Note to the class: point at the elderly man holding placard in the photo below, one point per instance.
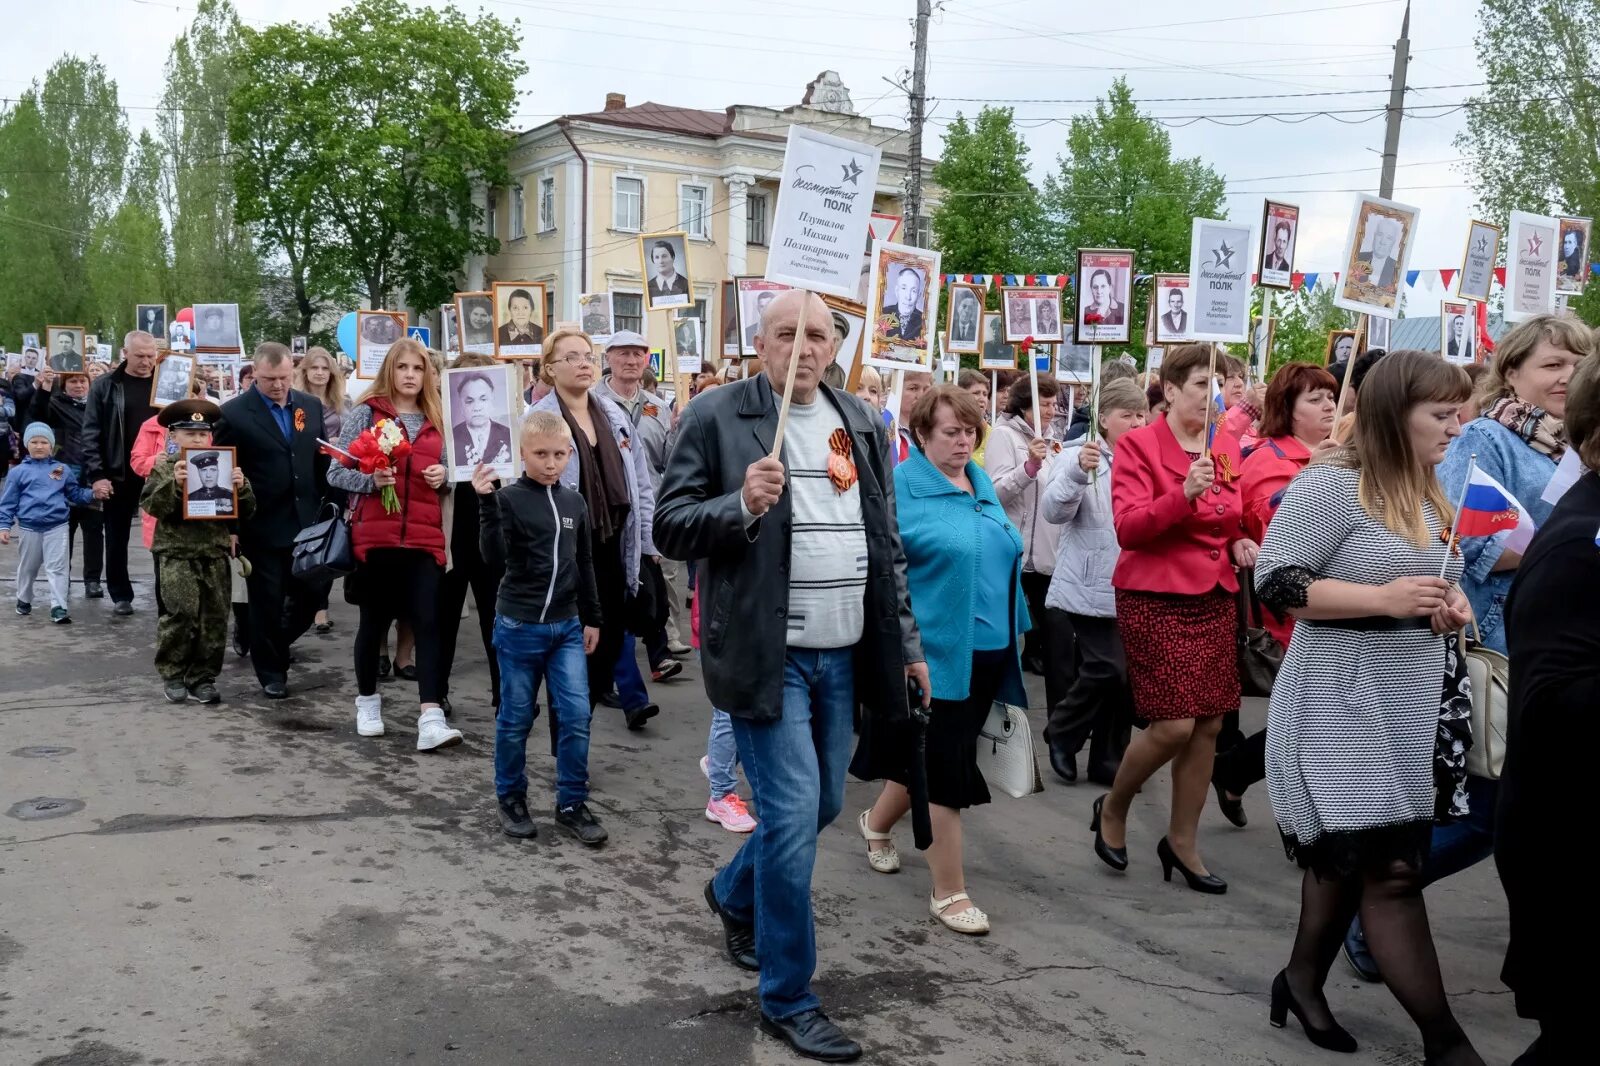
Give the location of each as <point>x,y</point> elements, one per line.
<point>804,612</point>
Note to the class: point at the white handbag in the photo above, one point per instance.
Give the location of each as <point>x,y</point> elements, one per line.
<point>1005,752</point>
<point>1491,694</point>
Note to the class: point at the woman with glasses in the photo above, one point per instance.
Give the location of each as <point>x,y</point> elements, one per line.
<point>610,470</point>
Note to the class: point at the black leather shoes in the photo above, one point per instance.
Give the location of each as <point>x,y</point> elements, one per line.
<point>92,590</point>
<point>1116,858</point>
<point>609,699</point>
<point>123,607</point>
<point>812,1035</point>
<point>275,690</point>
<point>1232,809</point>
<point>1064,763</point>
<point>737,938</point>
<point>637,717</point>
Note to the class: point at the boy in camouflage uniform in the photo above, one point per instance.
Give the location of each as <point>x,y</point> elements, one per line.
<point>192,561</point>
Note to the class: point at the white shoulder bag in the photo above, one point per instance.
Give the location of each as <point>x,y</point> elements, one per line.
<point>1005,752</point>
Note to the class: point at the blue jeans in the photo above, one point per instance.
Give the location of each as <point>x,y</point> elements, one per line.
<point>531,652</point>
<point>631,692</point>
<point>722,754</point>
<point>796,767</point>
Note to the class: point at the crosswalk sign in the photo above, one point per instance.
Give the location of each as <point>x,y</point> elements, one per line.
<point>421,333</point>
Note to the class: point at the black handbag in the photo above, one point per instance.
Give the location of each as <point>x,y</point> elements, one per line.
<point>322,551</point>
<point>646,610</point>
<point>1260,654</point>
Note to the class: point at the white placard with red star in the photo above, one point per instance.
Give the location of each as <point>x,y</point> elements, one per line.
<point>824,208</point>
<point>1530,266</point>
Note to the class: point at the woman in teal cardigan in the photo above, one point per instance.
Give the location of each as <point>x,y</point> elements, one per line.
<point>963,568</point>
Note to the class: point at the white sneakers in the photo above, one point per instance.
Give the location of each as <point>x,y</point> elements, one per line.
<point>433,732</point>
<point>369,715</point>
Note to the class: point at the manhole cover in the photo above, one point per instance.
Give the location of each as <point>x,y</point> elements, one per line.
<point>42,807</point>
<point>43,751</point>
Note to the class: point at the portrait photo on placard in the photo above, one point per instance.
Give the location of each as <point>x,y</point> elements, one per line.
<point>1279,225</point>
<point>996,354</point>
<point>1074,363</point>
<point>216,327</point>
<point>688,338</point>
<point>1457,329</point>
<point>518,319</point>
<point>1478,261</point>
<point>152,319</point>
<point>1340,347</point>
<point>1170,298</point>
<point>170,383</point>
<point>208,490</point>
<point>903,299</point>
<point>475,317</point>
<point>297,346</point>
<point>664,260</point>
<point>594,314</point>
<point>449,329</point>
<point>1032,311</point>
<point>481,406</point>
<point>754,294</point>
<point>376,333</point>
<point>849,326</point>
<point>1572,258</point>
<point>728,313</point>
<point>966,318</point>
<point>31,359</point>
<point>1105,296</point>
<point>180,338</point>
<point>66,348</point>
<point>1377,247</point>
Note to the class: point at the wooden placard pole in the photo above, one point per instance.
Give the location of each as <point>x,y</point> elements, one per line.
<point>1344,386</point>
<point>1211,407</point>
<point>1266,319</point>
<point>788,379</point>
<point>994,395</point>
<point>1033,385</point>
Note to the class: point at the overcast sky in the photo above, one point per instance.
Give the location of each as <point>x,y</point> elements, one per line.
<point>1040,58</point>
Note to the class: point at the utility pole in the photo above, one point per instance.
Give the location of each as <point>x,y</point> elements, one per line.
<point>919,84</point>
<point>1397,103</point>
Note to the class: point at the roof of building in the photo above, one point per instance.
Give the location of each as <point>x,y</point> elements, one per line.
<point>663,118</point>
<point>1422,334</point>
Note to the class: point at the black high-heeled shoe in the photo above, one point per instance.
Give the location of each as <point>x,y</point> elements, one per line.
<point>1210,884</point>
<point>1116,858</point>
<point>1284,1004</point>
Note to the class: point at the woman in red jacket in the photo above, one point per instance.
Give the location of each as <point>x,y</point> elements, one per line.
<point>1176,507</point>
<point>1296,424</point>
<point>400,557</point>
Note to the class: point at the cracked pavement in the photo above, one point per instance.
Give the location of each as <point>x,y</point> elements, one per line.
<point>254,883</point>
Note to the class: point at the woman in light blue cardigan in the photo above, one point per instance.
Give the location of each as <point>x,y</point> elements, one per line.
<point>963,569</point>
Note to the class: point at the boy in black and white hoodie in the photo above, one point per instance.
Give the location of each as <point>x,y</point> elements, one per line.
<point>547,619</point>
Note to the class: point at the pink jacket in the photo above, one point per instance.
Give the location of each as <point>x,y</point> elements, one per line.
<point>148,447</point>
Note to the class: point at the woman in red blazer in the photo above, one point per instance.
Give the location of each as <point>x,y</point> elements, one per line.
<point>1177,509</point>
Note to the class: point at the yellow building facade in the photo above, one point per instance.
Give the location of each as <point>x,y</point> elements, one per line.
<point>586,187</point>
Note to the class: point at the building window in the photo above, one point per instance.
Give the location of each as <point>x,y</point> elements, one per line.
<point>547,204</point>
<point>516,211</point>
<point>755,214</point>
<point>491,223</point>
<point>700,311</point>
<point>549,308</point>
<point>693,216</point>
<point>627,311</point>
<point>627,209</point>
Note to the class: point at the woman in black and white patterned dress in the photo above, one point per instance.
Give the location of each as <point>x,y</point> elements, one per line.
<point>1354,553</point>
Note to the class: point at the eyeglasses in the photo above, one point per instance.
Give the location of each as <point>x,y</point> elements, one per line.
<point>577,359</point>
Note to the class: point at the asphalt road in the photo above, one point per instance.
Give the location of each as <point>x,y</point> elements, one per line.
<point>254,883</point>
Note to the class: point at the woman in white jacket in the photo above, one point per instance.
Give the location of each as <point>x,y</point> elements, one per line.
<point>1078,497</point>
<point>1020,463</point>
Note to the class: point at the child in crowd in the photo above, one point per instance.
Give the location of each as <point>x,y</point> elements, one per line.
<point>191,559</point>
<point>547,619</point>
<point>721,759</point>
<point>37,496</point>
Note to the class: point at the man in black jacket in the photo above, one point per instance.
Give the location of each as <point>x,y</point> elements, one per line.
<point>275,431</point>
<point>63,410</point>
<point>804,611</point>
<point>119,403</point>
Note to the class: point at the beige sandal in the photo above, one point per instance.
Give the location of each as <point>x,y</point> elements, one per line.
<point>884,860</point>
<point>969,920</point>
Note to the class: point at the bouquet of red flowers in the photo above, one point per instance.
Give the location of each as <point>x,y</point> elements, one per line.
<point>379,448</point>
<point>1092,318</point>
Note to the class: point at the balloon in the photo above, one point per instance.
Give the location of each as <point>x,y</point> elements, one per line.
<point>347,334</point>
<point>186,315</point>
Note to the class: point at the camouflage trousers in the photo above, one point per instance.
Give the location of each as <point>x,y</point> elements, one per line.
<point>192,632</point>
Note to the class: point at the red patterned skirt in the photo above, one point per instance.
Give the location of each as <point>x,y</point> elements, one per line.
<point>1182,652</point>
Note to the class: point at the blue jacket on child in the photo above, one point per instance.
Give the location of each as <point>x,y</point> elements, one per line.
<point>38,493</point>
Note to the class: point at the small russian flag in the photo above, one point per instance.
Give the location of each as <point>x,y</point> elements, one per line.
<point>1216,415</point>
<point>1487,508</point>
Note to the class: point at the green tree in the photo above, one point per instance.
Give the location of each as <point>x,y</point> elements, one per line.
<point>1303,321</point>
<point>1532,138</point>
<point>391,115</point>
<point>127,259</point>
<point>214,255</point>
<point>1118,186</point>
<point>988,219</point>
<point>63,147</point>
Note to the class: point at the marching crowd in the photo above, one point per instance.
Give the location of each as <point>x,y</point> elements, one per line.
<point>860,599</point>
